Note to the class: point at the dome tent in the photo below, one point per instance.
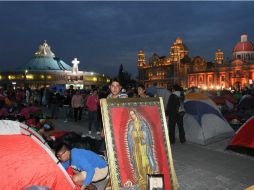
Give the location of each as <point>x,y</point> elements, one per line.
<point>203,121</point>
<point>32,162</point>
<point>243,140</point>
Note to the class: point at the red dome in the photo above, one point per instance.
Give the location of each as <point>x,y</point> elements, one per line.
<point>243,46</point>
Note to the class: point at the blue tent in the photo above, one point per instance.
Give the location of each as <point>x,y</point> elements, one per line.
<point>203,122</point>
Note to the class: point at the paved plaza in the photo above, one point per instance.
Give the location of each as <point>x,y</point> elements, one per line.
<point>197,167</point>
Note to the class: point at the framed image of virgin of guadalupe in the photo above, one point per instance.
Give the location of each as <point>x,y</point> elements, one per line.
<point>137,142</point>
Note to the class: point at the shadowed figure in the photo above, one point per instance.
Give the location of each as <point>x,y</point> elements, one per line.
<point>75,140</point>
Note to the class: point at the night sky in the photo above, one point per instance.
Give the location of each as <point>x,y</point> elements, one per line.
<point>103,35</point>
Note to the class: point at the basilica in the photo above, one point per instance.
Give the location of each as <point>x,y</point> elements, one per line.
<point>45,69</point>
<point>179,68</point>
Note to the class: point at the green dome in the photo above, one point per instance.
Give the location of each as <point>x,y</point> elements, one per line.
<point>37,63</point>
<point>44,60</point>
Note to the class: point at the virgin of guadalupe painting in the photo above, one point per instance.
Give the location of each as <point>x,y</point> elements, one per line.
<point>140,147</point>
<point>137,142</point>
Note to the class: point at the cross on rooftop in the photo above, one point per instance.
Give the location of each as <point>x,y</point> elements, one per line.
<point>75,63</point>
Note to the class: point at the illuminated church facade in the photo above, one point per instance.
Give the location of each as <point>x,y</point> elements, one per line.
<point>44,69</point>
<point>179,68</point>
<point>165,70</point>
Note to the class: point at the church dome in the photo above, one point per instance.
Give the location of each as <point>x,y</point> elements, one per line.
<point>244,50</point>
<point>244,44</point>
<point>44,60</point>
<point>180,44</point>
<point>140,52</point>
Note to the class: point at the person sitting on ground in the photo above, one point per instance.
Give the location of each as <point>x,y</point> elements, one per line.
<point>24,111</point>
<point>3,112</point>
<point>34,110</point>
<point>34,122</point>
<point>87,166</point>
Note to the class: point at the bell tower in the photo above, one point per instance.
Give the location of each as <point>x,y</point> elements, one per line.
<point>175,50</point>
<point>219,56</point>
<point>141,59</point>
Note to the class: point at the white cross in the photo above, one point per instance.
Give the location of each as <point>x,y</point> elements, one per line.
<point>75,63</point>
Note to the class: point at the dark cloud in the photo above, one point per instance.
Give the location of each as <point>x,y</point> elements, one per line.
<point>104,35</point>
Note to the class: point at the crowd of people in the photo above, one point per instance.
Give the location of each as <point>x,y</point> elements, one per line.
<point>25,105</point>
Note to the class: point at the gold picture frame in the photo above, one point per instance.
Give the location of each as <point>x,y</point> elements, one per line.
<point>124,151</point>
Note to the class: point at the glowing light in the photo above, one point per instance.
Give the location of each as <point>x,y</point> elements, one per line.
<point>95,79</point>
<point>30,77</point>
<point>11,77</point>
<point>217,87</point>
<point>205,87</point>
<point>75,63</point>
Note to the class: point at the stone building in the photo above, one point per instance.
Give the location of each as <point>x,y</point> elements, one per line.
<point>165,70</point>
<point>235,73</point>
<point>179,68</point>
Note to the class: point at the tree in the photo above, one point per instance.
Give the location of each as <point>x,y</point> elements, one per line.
<point>124,77</point>
<point>121,74</point>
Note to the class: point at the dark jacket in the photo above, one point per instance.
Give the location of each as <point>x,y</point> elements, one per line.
<point>172,106</point>
<point>66,100</point>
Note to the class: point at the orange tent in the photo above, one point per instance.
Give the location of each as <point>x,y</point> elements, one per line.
<point>25,161</point>
<point>244,138</point>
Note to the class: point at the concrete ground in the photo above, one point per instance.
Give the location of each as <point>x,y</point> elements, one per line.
<point>197,167</point>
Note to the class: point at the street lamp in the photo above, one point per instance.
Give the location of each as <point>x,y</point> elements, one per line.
<point>26,71</point>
